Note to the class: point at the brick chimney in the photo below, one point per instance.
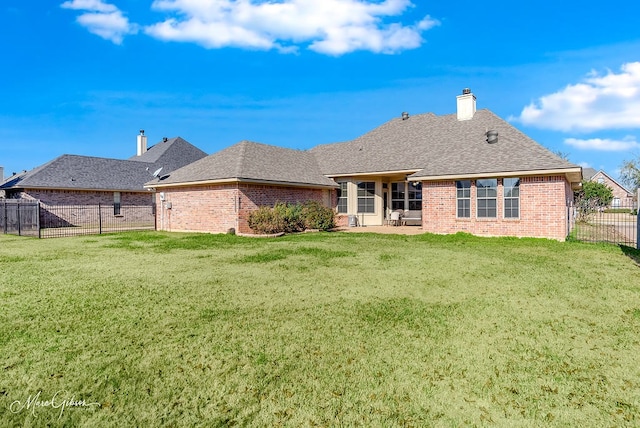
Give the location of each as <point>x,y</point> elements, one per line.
<point>466,105</point>
<point>142,143</point>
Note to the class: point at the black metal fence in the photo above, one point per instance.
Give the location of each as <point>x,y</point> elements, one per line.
<point>615,225</point>
<point>31,218</point>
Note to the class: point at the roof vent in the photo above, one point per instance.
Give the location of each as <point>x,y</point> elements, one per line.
<point>492,137</point>
<point>405,115</point>
<point>165,139</point>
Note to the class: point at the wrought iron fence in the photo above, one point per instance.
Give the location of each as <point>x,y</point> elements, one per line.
<point>32,218</point>
<point>615,225</point>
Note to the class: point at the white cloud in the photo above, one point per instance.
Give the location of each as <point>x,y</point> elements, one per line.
<point>89,5</point>
<point>332,27</point>
<point>609,101</point>
<point>604,144</point>
<point>102,19</point>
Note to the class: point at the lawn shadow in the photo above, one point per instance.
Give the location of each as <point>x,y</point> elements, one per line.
<point>632,253</point>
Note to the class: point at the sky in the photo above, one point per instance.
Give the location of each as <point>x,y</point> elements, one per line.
<point>84,76</point>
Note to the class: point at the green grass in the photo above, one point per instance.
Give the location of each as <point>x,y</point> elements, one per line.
<point>327,329</point>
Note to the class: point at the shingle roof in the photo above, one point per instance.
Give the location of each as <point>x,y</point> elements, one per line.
<point>93,173</point>
<point>588,173</point>
<point>249,161</point>
<point>439,146</point>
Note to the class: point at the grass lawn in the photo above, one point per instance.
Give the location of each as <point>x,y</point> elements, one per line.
<point>339,329</point>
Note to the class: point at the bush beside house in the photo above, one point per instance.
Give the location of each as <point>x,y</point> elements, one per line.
<point>289,218</point>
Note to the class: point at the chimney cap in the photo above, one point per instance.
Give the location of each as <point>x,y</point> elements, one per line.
<point>142,132</point>
<point>466,91</point>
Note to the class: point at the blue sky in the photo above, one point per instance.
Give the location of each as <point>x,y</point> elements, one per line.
<point>83,76</point>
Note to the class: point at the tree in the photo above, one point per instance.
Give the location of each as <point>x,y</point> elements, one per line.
<point>593,196</point>
<point>630,173</point>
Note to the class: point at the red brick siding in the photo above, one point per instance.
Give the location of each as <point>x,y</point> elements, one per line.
<point>218,208</point>
<point>80,207</point>
<point>543,211</point>
<point>626,199</point>
<point>197,209</point>
<point>83,197</point>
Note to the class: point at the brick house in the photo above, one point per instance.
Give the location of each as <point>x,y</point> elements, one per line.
<point>74,180</point>
<point>218,192</point>
<point>622,198</point>
<point>470,171</point>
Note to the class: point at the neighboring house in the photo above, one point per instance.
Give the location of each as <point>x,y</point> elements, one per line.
<point>217,193</point>
<point>622,198</point>
<point>470,171</point>
<point>84,180</point>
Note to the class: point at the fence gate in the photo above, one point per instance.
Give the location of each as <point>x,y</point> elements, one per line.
<point>20,217</point>
<point>616,225</point>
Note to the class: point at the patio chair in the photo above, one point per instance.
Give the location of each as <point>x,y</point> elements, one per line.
<point>394,218</point>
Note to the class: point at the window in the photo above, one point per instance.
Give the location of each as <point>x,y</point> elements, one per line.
<point>366,196</point>
<point>463,196</point>
<point>342,197</point>
<point>487,192</point>
<point>116,203</point>
<point>601,180</point>
<point>511,197</point>
<point>615,203</point>
<point>415,195</point>
<point>397,196</point>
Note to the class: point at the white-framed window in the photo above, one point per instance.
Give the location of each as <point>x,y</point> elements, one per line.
<point>487,197</point>
<point>343,197</point>
<point>463,198</point>
<point>397,196</point>
<point>415,195</point>
<point>511,197</point>
<point>615,203</point>
<point>366,197</point>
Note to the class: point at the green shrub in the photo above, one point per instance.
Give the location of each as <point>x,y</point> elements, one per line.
<point>317,216</point>
<point>265,220</point>
<point>289,218</point>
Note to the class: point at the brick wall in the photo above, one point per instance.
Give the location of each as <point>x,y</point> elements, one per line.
<point>543,210</point>
<point>63,208</point>
<point>82,197</point>
<point>218,208</point>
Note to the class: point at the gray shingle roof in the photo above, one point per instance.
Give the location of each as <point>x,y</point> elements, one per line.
<point>249,161</point>
<point>588,173</point>
<point>93,173</point>
<point>439,146</point>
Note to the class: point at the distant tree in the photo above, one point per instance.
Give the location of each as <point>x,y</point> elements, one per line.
<point>630,173</point>
<point>561,154</point>
<point>593,196</point>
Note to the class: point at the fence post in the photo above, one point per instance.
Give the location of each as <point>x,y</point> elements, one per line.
<point>19,219</point>
<point>638,220</point>
<point>5,216</point>
<point>38,219</point>
<point>100,217</point>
